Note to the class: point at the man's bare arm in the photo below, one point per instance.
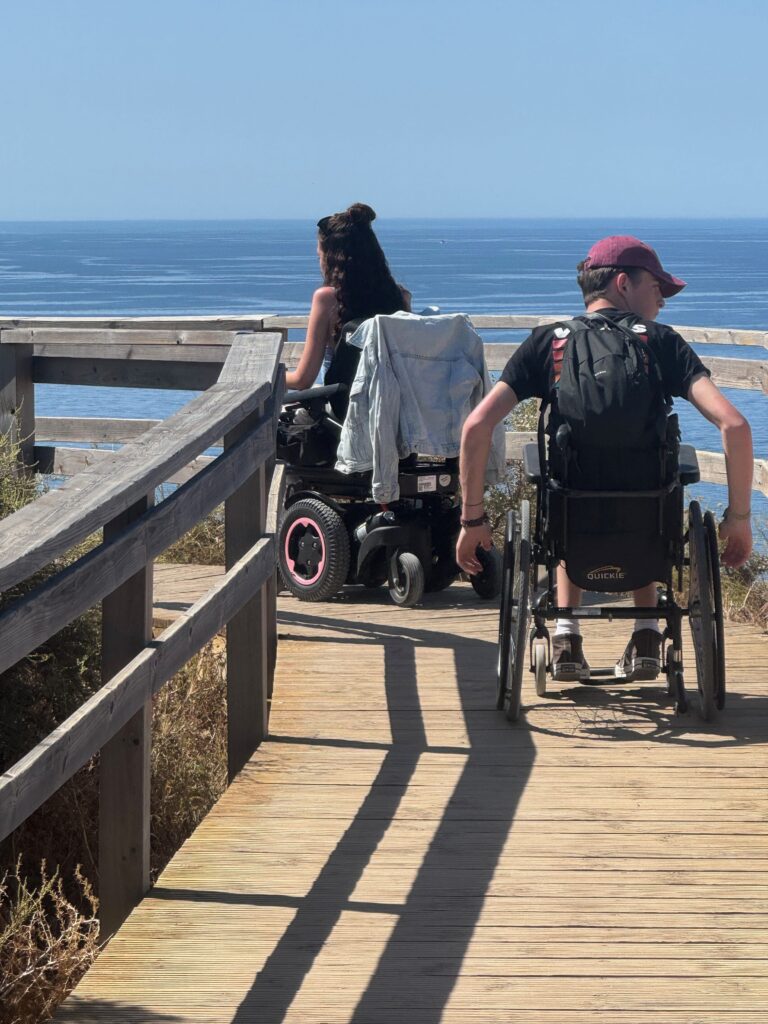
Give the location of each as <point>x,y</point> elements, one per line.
<point>739,465</point>
<point>475,447</point>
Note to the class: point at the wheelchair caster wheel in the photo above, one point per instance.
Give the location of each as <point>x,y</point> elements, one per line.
<point>406,579</point>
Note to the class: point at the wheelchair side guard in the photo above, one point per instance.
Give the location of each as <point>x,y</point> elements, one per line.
<point>406,536</point>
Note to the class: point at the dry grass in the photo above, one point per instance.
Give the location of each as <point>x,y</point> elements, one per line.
<point>48,929</point>
<point>202,545</point>
<point>189,750</point>
<point>46,943</point>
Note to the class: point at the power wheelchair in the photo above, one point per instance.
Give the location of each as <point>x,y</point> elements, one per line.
<point>331,532</point>
<point>611,541</point>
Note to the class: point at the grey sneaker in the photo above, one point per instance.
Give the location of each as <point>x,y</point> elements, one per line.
<point>568,662</point>
<point>642,658</point>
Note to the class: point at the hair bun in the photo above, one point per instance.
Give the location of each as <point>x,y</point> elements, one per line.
<point>360,213</point>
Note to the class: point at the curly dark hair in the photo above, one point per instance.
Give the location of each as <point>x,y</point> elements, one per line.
<point>356,268</point>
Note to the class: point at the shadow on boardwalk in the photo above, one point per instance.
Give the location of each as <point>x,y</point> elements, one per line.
<point>431,907</point>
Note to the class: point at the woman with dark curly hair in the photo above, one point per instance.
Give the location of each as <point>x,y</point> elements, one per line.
<point>357,284</point>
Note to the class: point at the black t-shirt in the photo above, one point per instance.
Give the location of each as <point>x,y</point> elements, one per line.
<point>530,371</point>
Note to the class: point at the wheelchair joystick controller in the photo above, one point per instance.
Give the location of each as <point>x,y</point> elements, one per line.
<point>563,437</point>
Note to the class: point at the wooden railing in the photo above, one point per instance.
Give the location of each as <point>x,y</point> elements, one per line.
<point>234,361</point>
<point>748,374</point>
<point>243,381</point>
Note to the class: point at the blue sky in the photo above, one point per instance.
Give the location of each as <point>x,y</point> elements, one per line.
<point>283,108</point>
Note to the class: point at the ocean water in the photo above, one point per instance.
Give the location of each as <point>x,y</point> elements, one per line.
<point>474,266</point>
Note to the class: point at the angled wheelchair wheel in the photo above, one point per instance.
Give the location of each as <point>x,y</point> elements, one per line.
<point>313,550</point>
<point>701,612</point>
<point>710,526</point>
<point>505,622</point>
<point>518,614</point>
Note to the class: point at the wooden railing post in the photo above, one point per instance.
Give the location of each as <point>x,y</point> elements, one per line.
<point>245,514</point>
<point>17,398</point>
<point>124,767</point>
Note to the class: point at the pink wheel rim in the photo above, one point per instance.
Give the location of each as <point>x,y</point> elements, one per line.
<point>304,581</point>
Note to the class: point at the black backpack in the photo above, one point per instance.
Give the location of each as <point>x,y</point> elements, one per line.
<point>610,391</point>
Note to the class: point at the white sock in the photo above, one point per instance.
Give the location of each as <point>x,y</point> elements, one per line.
<point>647,624</point>
<point>563,626</point>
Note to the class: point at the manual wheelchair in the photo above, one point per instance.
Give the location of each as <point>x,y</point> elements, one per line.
<point>612,541</point>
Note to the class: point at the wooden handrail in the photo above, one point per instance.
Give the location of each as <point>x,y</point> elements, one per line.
<point>58,520</point>
<point>526,322</point>
<point>116,493</point>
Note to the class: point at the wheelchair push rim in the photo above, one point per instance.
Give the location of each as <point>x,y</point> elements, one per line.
<point>702,613</point>
<point>710,527</point>
<point>513,620</point>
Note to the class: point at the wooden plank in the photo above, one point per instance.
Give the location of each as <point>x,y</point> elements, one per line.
<point>62,461</point>
<point>28,622</point>
<point>244,322</point>
<point>167,375</point>
<point>527,322</point>
<point>748,374</point>
<point>112,339</point>
<point>93,429</point>
<point>124,765</point>
<point>34,535</point>
<point>132,351</point>
<point>37,776</point>
<point>253,358</point>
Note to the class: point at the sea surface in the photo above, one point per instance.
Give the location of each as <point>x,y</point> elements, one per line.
<point>475,266</point>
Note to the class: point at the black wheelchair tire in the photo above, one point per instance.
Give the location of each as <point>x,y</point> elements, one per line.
<point>701,612</point>
<point>518,652</point>
<point>407,587</point>
<point>487,584</point>
<point>505,624</point>
<point>324,525</point>
<point>717,599</point>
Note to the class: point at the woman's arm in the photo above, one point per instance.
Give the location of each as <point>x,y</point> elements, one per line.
<point>321,316</point>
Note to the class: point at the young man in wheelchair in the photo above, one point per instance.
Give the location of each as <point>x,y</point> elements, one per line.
<point>624,285</point>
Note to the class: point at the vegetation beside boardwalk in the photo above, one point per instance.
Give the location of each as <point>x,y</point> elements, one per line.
<point>49,866</point>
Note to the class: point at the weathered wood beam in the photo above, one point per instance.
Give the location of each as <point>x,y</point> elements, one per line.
<point>37,776</point>
<point>62,461</point>
<point>35,535</point>
<point>124,764</point>
<point>93,429</point>
<point>28,622</point>
<point>166,375</point>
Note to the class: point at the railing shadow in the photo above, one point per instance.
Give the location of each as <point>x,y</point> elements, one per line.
<point>480,805</point>
<point>86,1010</point>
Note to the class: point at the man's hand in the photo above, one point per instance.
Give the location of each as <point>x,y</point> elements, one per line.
<point>466,546</point>
<point>737,534</point>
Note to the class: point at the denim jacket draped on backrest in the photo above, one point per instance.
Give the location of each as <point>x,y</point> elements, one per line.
<point>418,379</point>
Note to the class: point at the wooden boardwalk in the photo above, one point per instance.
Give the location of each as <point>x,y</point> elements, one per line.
<point>397,852</point>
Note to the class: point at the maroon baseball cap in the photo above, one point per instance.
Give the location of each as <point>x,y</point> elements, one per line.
<point>628,251</point>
